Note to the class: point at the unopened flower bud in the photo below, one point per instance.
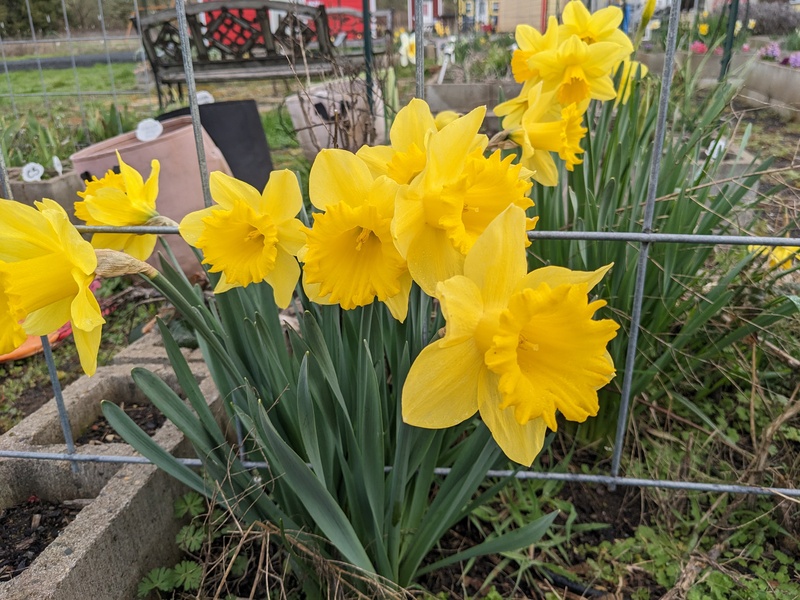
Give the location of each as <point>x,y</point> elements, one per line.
<point>111,263</point>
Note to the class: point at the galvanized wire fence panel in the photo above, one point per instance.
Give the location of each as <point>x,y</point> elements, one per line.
<point>644,238</point>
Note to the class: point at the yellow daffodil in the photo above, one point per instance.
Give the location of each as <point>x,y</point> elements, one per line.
<point>350,258</point>
<point>530,42</point>
<point>121,199</point>
<point>405,158</point>
<point>779,256</point>
<point>517,347</point>
<point>250,237</point>
<point>631,70</point>
<point>45,271</point>
<point>442,212</point>
<point>655,24</point>
<point>542,132</point>
<point>702,28</point>
<point>704,14</point>
<point>751,24</point>
<point>600,26</point>
<point>579,71</point>
<point>737,27</point>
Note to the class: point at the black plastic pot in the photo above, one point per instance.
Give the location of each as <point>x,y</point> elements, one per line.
<point>235,127</point>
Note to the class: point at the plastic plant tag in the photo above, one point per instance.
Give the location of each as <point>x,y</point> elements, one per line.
<point>32,172</point>
<point>204,97</point>
<point>58,166</point>
<point>148,130</point>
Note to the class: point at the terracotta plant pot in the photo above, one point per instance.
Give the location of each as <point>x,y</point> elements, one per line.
<point>61,188</point>
<point>180,188</point>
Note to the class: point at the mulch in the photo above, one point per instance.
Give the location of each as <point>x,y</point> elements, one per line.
<point>26,530</point>
<point>146,416</point>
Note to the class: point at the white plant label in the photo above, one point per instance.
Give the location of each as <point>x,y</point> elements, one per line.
<point>148,130</point>
<point>58,166</point>
<point>204,97</point>
<point>32,172</point>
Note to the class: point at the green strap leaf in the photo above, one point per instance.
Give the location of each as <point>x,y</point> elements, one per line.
<point>319,503</point>
<point>509,542</point>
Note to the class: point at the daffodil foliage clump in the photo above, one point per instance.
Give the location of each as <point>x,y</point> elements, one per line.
<point>423,342</point>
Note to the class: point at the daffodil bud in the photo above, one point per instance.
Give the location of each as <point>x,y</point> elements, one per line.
<point>160,221</point>
<point>649,9</point>
<point>111,263</point>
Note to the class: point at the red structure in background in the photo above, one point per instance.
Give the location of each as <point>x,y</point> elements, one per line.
<point>344,16</point>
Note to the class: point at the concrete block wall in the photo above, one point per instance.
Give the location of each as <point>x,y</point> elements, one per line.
<point>128,527</point>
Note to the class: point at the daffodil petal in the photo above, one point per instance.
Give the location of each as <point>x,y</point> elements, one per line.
<point>192,227</point>
<point>228,191</point>
<point>448,149</point>
<point>432,258</point>
<point>18,232</point>
<point>462,307</point>
<point>49,318</point>
<point>283,278</point>
<point>555,276</point>
<point>338,176</point>
<point>85,311</point>
<point>281,197</point>
<point>88,343</point>
<point>441,389</point>
<point>151,185</point>
<point>398,304</point>
<point>291,236</point>
<point>140,247</point>
<point>223,285</point>
<point>377,158</point>
<point>520,443</point>
<point>411,125</point>
<point>504,237</point>
<point>134,184</point>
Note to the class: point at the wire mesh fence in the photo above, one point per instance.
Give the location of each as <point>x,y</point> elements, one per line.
<point>13,102</point>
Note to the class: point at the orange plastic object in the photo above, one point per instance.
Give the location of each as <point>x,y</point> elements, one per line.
<point>31,346</point>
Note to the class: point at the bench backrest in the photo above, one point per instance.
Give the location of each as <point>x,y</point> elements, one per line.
<point>237,33</point>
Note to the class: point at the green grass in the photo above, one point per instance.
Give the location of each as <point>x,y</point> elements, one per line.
<point>91,79</point>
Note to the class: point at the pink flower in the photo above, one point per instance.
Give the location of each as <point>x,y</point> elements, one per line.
<point>745,47</point>
<point>718,51</point>
<point>698,47</point>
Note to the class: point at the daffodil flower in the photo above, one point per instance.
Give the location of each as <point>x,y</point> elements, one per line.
<point>121,199</point>
<point>249,237</point>
<point>779,256</point>
<point>530,42</point>
<point>517,349</point>
<point>350,258</point>
<point>408,49</point>
<point>702,28</point>
<point>442,212</point>
<point>600,26</point>
<point>579,71</point>
<point>405,158</point>
<point>45,271</point>
<point>541,133</point>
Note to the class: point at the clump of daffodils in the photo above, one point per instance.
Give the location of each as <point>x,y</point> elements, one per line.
<point>435,207</point>
<point>562,70</point>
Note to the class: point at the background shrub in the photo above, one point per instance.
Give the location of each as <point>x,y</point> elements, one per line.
<point>774,18</point>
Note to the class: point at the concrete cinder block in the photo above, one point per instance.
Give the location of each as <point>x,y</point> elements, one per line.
<point>127,527</point>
